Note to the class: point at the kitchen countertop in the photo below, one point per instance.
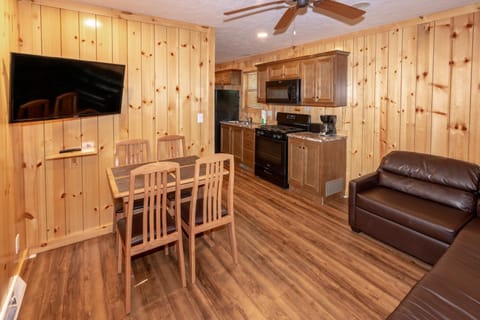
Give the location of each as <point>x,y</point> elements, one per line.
<point>317,137</point>
<point>243,124</point>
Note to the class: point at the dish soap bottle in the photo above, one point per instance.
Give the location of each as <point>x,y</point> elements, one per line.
<point>264,117</point>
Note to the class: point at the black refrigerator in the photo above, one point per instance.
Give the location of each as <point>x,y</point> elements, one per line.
<point>227,104</point>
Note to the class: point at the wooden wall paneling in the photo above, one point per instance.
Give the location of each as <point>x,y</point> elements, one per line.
<point>105,145</point>
<point>459,126</point>
<point>54,172</point>
<point>89,133</point>
<point>134,80</point>
<point>120,56</point>
<point>408,86</point>
<point>381,96</point>
<point>207,79</point>
<point>148,85</point>
<point>369,112</point>
<point>184,85</point>
<point>424,88</point>
<point>72,167</point>
<point>441,86</point>
<point>393,102</point>
<point>474,145</point>
<point>356,132</point>
<point>161,81</point>
<point>195,142</point>
<point>71,40</point>
<point>173,80</point>
<point>348,112</point>
<point>34,150</point>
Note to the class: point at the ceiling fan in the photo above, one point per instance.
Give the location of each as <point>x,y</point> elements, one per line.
<point>293,6</point>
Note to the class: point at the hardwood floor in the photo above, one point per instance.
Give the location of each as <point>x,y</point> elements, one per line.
<point>297,260</point>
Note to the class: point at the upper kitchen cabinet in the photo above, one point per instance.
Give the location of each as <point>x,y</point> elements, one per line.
<point>286,70</point>
<point>228,77</point>
<point>324,80</point>
<point>262,77</point>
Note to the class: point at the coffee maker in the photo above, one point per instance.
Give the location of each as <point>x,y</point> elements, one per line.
<point>329,124</point>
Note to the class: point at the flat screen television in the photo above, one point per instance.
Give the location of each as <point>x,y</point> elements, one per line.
<point>43,88</point>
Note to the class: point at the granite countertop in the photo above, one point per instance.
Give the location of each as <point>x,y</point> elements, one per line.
<point>317,137</point>
<point>243,124</point>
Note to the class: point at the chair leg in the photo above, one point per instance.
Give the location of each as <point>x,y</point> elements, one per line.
<point>191,249</point>
<point>181,260</point>
<point>128,284</point>
<point>233,242</point>
<point>119,253</point>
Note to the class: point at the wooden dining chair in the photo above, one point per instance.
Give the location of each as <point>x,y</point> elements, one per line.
<point>171,146</point>
<point>207,210</point>
<point>129,152</point>
<point>153,227</point>
<point>66,104</point>
<point>132,151</point>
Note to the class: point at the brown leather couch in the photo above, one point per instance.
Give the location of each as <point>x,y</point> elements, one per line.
<point>451,290</point>
<point>423,205</point>
<point>415,202</point>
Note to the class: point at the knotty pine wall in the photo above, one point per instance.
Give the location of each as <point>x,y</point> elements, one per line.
<point>413,86</point>
<point>11,188</point>
<point>169,79</point>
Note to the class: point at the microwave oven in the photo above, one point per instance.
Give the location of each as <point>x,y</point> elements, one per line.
<point>283,91</point>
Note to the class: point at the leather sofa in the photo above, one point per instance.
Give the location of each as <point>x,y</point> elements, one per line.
<point>423,205</point>
<point>415,202</point>
<point>451,290</point>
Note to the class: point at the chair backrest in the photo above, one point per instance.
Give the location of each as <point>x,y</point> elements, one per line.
<point>209,178</point>
<point>132,151</point>
<point>157,224</point>
<point>65,104</point>
<point>171,146</point>
<point>34,109</point>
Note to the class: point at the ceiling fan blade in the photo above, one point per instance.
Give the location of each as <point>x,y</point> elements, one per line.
<point>339,8</point>
<point>253,7</point>
<point>286,19</point>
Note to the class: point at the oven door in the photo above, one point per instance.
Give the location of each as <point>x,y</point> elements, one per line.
<point>271,160</point>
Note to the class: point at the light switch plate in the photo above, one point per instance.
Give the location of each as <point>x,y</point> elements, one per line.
<point>199,117</point>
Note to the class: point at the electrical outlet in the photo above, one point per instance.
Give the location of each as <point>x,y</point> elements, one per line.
<point>17,243</point>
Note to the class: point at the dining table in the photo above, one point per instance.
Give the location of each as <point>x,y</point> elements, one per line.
<point>119,177</point>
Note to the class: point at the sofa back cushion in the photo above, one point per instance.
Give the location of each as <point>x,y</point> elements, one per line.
<point>454,183</point>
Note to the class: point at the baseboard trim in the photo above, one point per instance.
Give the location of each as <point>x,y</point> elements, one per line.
<point>72,238</point>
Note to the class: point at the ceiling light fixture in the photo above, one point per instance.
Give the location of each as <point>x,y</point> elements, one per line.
<point>262,35</point>
<point>361,5</point>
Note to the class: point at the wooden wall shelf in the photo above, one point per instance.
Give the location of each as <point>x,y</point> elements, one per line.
<point>74,154</point>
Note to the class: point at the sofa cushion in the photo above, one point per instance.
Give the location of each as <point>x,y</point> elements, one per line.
<point>451,289</point>
<point>449,196</point>
<point>427,217</point>
<point>435,169</point>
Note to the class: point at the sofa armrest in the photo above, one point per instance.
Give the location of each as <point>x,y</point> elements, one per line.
<point>355,186</point>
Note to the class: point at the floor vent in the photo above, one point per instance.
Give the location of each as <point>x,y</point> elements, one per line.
<point>12,305</point>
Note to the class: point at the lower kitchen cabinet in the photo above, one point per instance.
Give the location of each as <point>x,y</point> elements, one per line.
<point>239,141</point>
<point>317,165</point>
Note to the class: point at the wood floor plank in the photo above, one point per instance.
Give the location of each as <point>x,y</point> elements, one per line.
<point>297,260</point>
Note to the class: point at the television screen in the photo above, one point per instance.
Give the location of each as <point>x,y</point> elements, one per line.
<point>44,88</point>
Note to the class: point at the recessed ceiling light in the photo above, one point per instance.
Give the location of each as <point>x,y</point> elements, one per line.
<point>262,35</point>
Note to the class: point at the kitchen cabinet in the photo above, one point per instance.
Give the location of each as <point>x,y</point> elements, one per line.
<point>281,71</point>
<point>323,76</point>
<point>262,77</point>
<point>316,165</point>
<point>304,157</point>
<point>324,81</point>
<point>228,77</point>
<point>239,141</point>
